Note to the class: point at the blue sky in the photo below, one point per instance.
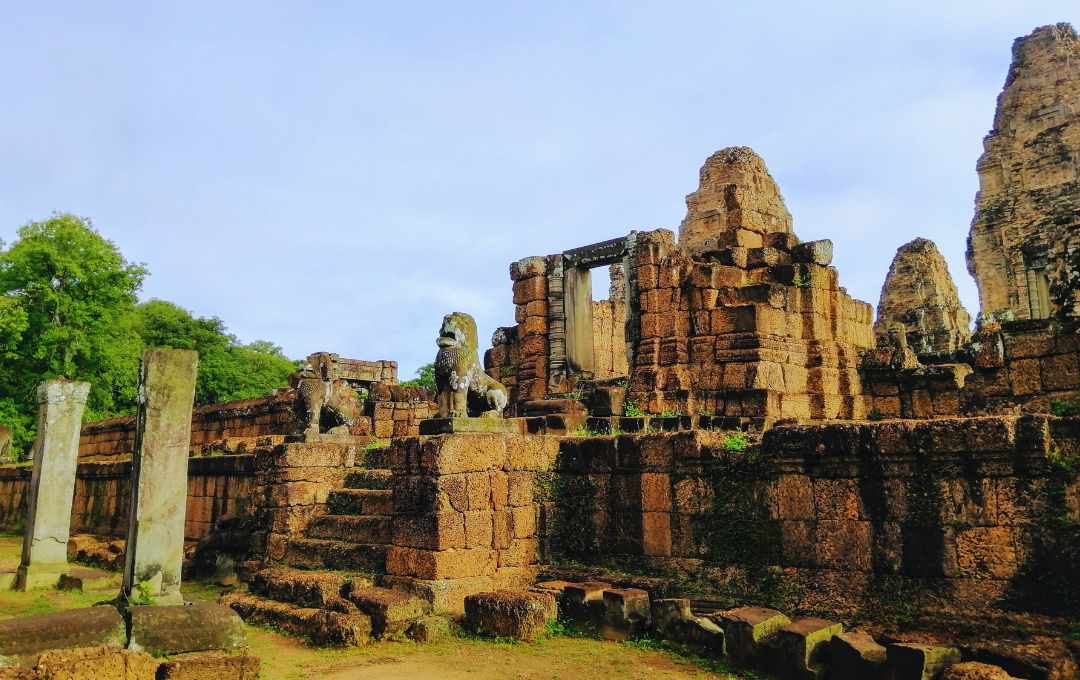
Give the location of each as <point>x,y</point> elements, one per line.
<point>338,175</point>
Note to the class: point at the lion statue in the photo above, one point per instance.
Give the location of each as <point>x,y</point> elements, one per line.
<point>326,401</point>
<point>458,373</point>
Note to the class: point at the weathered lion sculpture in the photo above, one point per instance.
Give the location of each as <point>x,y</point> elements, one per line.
<point>458,373</point>
<point>321,397</point>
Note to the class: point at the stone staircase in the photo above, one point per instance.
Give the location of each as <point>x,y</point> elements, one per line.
<point>356,530</point>
<point>324,587</point>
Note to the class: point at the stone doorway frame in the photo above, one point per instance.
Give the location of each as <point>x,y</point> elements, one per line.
<point>574,315</point>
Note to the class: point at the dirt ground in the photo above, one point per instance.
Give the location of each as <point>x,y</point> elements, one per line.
<point>457,658</point>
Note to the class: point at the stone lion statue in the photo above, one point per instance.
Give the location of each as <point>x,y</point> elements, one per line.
<point>322,397</point>
<point>458,373</point>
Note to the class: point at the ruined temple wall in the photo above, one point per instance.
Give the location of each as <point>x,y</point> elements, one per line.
<point>751,335</point>
<point>248,418</point>
<point>217,486</point>
<point>1023,367</point>
<point>962,500</point>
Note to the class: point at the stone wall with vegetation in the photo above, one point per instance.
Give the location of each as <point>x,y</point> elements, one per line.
<point>218,486</point>
<point>988,505</point>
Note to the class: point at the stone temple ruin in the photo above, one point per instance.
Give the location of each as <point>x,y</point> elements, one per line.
<point>729,451</point>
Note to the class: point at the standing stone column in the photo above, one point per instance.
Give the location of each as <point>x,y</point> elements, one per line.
<point>155,540</point>
<point>52,483</point>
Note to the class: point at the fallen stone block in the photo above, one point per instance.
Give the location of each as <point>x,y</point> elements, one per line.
<point>919,662</point>
<point>585,601</point>
<point>746,628</point>
<point>210,666</point>
<point>95,663</point>
<point>813,252</point>
<point>165,630</point>
<point>701,632</point>
<point>321,626</point>
<point>627,613</point>
<point>429,629</point>
<point>670,613</point>
<point>391,611</point>
<point>509,614</point>
<point>973,670</point>
<point>800,649</point>
<point>91,627</point>
<point>856,656</point>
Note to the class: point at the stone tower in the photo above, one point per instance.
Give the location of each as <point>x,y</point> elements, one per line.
<point>1024,244</point>
<point>737,203</point>
<point>919,295</point>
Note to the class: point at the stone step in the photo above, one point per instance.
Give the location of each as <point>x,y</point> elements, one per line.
<point>361,502</point>
<point>368,479</point>
<point>391,611</point>
<point>374,457</point>
<point>352,528</point>
<point>315,553</point>
<point>318,589</point>
<point>319,625</point>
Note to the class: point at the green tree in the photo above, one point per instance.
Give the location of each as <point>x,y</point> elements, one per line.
<point>67,298</point>
<point>228,370</point>
<point>425,377</point>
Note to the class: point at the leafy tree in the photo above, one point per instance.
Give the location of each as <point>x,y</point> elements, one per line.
<point>228,370</point>
<point>425,377</point>
<point>68,308</point>
<point>66,301</point>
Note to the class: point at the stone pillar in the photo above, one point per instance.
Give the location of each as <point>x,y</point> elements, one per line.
<point>155,540</point>
<point>52,483</point>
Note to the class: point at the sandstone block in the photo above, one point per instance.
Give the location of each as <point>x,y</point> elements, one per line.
<point>510,614</point>
<point>919,662</point>
<point>585,601</point>
<point>800,649</point>
<point>391,611</point>
<point>94,663</point>
<point>973,670</point>
<point>627,613</point>
<point>429,629</point>
<point>91,627</point>
<point>856,656</point>
<point>813,252</point>
<point>210,666</point>
<point>746,628</point>
<point>166,630</point>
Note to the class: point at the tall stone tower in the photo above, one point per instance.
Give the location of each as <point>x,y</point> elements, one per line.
<point>736,205</point>
<point>920,296</point>
<point>1024,244</point>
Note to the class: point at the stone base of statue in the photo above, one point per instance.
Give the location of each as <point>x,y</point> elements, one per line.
<point>483,424</point>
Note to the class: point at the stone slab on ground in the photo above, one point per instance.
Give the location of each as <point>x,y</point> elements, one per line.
<point>856,656</point>
<point>391,611</point>
<point>166,630</point>
<point>210,666</point>
<point>973,670</point>
<point>585,601</point>
<point>95,663</point>
<point>627,613</point>
<point>448,595</point>
<point>510,614</point>
<point>745,628</point>
<point>319,625</point>
<point>919,662</point>
<point>90,627</point>
<point>800,648</point>
<point>429,629</point>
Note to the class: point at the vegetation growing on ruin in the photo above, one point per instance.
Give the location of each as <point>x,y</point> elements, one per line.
<point>425,378</point>
<point>68,307</point>
<point>1064,408</point>
<point>632,410</point>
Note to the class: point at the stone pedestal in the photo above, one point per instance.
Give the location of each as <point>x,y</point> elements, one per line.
<point>465,513</point>
<point>52,485</point>
<point>155,542</point>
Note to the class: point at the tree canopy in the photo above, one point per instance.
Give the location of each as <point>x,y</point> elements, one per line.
<point>69,307</point>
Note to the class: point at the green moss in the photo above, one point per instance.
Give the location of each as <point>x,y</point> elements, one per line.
<point>573,534</point>
<point>1064,409</point>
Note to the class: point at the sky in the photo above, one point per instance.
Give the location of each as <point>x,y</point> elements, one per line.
<point>336,176</point>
